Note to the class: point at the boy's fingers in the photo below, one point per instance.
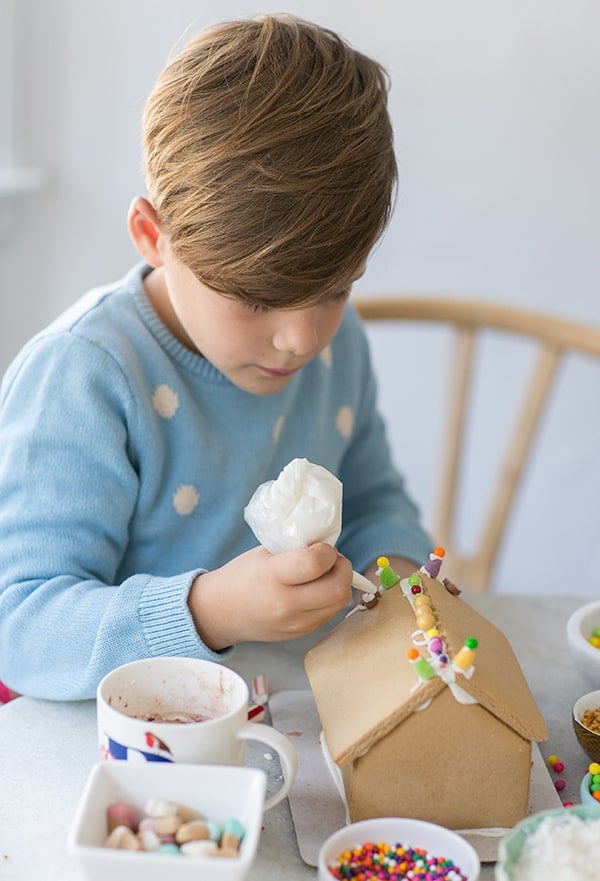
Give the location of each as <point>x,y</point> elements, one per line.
<point>304,564</point>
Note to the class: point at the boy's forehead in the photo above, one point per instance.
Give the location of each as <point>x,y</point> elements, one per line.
<point>321,291</point>
<point>334,286</point>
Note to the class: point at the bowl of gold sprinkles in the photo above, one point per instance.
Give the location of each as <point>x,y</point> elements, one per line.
<point>586,723</point>
<point>561,844</point>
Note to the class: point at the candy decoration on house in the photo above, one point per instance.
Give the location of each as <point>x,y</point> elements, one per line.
<point>371,592</point>
<point>421,665</point>
<point>434,564</point>
<point>428,634</point>
<point>424,613</point>
<point>435,644</point>
<point>385,573</point>
<point>423,669</point>
<point>464,660</point>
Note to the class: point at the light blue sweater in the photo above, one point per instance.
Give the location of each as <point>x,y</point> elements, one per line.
<point>126,461</point>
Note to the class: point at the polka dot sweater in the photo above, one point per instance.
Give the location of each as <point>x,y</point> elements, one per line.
<point>126,461</point>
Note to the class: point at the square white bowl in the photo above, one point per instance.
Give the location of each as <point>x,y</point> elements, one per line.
<point>217,792</point>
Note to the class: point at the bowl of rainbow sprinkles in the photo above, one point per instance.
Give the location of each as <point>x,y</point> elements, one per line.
<point>392,848</point>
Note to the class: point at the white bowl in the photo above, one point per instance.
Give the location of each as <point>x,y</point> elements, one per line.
<point>217,792</point>
<point>586,657</point>
<point>436,840</point>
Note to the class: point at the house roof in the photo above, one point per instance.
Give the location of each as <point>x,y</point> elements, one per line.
<point>364,685</point>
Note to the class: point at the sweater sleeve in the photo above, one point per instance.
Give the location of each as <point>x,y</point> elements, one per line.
<point>68,487</point>
<point>379,518</point>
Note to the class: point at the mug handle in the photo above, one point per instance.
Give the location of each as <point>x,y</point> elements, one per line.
<point>284,747</point>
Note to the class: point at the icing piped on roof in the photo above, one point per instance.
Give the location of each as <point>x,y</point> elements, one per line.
<point>364,686</point>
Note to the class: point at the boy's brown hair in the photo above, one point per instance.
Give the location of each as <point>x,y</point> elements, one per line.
<point>269,159</point>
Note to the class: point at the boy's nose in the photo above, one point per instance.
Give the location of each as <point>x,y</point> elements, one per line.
<point>297,332</point>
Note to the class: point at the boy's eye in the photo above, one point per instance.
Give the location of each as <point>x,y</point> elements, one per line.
<point>259,308</point>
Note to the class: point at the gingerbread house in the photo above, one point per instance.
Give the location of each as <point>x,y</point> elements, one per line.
<point>437,731</point>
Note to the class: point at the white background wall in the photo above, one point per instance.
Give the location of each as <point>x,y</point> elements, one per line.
<point>496,109</point>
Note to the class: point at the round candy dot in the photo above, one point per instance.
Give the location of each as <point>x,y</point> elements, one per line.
<point>596,795</point>
<point>415,589</point>
<point>594,768</point>
<point>567,804</point>
<point>412,654</point>
<point>552,759</point>
<point>559,784</point>
<point>471,642</point>
<point>424,619</point>
<point>558,767</point>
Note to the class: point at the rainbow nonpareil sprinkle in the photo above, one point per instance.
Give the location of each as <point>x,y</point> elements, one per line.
<point>378,861</point>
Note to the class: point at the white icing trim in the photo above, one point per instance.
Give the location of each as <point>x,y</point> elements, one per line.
<point>336,774</point>
<point>462,696</point>
<point>466,673</point>
<point>407,592</point>
<point>358,608</point>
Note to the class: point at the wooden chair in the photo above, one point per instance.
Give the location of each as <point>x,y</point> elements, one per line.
<point>553,338</point>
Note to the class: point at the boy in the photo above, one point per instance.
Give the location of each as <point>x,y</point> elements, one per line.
<point>137,426</point>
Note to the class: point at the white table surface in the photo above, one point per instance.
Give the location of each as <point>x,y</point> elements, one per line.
<point>47,749</point>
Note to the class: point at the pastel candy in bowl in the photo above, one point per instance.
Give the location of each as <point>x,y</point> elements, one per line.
<point>217,793</point>
<point>586,657</point>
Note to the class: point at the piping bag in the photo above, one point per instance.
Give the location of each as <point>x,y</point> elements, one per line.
<point>301,507</point>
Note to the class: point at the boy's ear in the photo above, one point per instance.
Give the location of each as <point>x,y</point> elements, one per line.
<point>145,231</point>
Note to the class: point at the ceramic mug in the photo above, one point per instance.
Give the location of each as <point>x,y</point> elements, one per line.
<point>183,710</point>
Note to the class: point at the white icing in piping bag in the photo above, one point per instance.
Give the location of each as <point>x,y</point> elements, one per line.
<point>301,507</point>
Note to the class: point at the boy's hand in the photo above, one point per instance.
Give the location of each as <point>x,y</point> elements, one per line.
<point>266,597</point>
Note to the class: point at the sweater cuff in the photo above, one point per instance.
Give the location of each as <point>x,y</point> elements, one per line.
<point>167,622</point>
